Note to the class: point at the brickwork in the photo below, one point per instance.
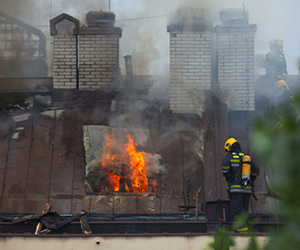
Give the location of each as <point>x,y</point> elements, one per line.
<point>190,67</point>
<point>85,58</point>
<point>235,63</point>
<point>64,61</point>
<point>98,60</point>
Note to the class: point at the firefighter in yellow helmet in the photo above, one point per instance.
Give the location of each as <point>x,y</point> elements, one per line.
<point>274,62</point>
<point>267,91</point>
<point>283,85</point>
<point>240,183</point>
<point>282,95</point>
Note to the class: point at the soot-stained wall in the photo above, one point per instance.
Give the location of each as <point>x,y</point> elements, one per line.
<point>43,158</point>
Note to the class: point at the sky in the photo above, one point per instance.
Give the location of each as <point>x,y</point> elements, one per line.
<point>144,24</point>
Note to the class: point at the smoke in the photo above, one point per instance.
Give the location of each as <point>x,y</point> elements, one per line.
<point>271,20</point>
<point>147,22</point>
<point>145,54</point>
<point>149,52</point>
<point>144,24</point>
<point>129,113</point>
<point>193,12</point>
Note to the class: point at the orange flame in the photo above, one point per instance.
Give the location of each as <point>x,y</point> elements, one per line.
<point>126,164</point>
<point>137,173</point>
<point>112,182</point>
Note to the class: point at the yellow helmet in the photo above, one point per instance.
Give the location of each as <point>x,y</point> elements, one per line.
<point>283,85</point>
<point>277,41</point>
<point>228,144</point>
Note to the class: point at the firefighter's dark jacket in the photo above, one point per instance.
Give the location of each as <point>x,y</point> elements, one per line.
<point>274,62</point>
<point>232,171</point>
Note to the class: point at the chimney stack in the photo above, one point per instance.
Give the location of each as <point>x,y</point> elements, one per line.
<point>190,64</point>
<point>88,57</point>
<point>128,66</point>
<point>235,58</point>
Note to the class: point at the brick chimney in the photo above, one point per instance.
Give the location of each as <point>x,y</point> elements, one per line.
<point>64,30</point>
<point>190,64</point>
<point>235,58</point>
<point>86,58</point>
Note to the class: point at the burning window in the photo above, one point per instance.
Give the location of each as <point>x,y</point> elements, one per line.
<point>117,165</point>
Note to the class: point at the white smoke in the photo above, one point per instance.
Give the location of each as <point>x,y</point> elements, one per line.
<point>145,35</point>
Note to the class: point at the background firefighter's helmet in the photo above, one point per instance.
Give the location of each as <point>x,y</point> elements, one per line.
<point>277,41</point>
<point>228,144</point>
<point>283,85</point>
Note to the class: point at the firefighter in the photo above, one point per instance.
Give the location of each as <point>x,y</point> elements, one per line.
<point>274,62</point>
<point>239,186</point>
<point>284,95</point>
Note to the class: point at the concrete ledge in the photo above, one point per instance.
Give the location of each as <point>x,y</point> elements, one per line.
<point>100,31</point>
<point>189,27</point>
<point>236,28</point>
<point>121,242</point>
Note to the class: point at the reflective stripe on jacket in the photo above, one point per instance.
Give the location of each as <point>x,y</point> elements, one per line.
<point>232,171</point>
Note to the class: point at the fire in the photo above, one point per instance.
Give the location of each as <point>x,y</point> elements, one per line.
<point>125,166</point>
<point>137,171</point>
<point>113,181</point>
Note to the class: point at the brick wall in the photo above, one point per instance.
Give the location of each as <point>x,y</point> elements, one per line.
<point>235,65</point>
<point>190,66</point>
<point>64,61</point>
<point>86,58</point>
<point>98,60</point>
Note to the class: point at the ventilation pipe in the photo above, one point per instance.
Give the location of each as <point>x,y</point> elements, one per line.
<point>128,66</point>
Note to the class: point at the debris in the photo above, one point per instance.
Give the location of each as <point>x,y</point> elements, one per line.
<point>46,209</point>
<point>51,221</point>
<point>17,132</point>
<point>23,117</point>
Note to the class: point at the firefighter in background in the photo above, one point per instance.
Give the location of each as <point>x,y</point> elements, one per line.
<point>240,173</point>
<point>268,92</point>
<point>284,94</point>
<point>283,97</point>
<point>274,62</point>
